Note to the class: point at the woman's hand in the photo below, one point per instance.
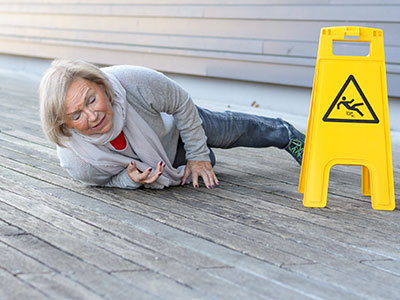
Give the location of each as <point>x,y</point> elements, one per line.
<point>202,169</point>
<point>145,177</point>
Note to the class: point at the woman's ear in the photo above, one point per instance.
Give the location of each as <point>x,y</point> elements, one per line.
<point>65,130</point>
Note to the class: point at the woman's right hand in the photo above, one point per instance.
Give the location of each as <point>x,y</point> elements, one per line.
<point>145,177</point>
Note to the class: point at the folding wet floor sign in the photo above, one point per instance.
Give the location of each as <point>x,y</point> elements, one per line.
<point>349,121</point>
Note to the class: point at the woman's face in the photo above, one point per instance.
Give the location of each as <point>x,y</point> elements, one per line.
<point>88,109</point>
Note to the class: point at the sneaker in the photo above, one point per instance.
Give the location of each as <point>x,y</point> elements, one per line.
<point>296,143</point>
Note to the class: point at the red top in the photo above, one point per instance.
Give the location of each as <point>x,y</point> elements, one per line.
<point>119,143</point>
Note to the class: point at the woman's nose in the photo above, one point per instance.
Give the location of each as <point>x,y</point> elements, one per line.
<point>91,115</point>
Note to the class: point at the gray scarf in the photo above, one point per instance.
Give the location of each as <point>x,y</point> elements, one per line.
<point>141,137</point>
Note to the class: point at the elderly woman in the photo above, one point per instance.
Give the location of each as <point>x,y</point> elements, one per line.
<point>128,126</point>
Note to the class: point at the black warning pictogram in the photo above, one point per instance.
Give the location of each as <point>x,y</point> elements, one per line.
<point>350,105</point>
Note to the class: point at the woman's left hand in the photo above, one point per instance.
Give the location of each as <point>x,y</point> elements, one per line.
<point>203,169</point>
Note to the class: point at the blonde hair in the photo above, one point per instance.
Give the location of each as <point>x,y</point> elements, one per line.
<point>53,89</point>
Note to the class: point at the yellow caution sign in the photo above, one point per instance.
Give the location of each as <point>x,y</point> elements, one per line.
<point>356,110</point>
<point>349,121</point>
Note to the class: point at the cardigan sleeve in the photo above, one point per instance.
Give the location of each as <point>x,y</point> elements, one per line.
<point>89,175</point>
<point>159,93</point>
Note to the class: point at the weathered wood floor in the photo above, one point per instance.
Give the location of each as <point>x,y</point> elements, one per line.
<point>249,239</point>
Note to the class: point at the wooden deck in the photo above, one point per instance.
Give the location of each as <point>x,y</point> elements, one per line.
<point>249,239</point>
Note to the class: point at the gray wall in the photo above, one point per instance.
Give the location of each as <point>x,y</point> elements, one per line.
<point>261,41</point>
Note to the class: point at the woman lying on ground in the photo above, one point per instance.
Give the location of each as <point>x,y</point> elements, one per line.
<point>127,126</point>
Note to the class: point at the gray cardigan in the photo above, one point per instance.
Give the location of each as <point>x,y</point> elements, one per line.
<point>165,106</point>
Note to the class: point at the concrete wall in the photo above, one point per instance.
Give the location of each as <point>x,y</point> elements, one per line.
<point>267,41</point>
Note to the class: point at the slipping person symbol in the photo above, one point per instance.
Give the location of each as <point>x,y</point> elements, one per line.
<point>350,107</point>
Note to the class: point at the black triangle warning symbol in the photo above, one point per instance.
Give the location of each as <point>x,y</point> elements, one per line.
<point>351,105</point>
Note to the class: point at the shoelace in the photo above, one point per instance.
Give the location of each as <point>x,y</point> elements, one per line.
<point>296,148</point>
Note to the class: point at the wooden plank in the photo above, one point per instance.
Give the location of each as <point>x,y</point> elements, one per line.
<point>244,57</point>
<point>360,227</point>
<point>310,49</point>
<point>154,282</point>
<point>268,292</point>
<point>339,251</point>
<point>251,204</point>
<point>17,263</point>
<point>389,265</point>
<point>12,143</point>
<point>64,253</point>
<point>291,177</point>
<point>265,170</point>
<point>116,221</point>
<point>58,286</point>
<point>380,243</point>
<point>7,229</point>
<point>273,158</point>
<point>222,232</point>
<point>214,2</point>
<point>264,289</point>
<point>30,272</point>
<point>162,62</point>
<point>138,39</point>
<point>85,251</point>
<point>12,287</point>
<point>14,107</point>
<point>195,278</point>
<point>10,118</point>
<point>372,13</point>
<point>249,29</point>
<point>350,281</point>
<point>375,12</point>
<point>342,267</point>
<point>321,287</point>
<point>26,135</point>
<point>18,97</point>
<point>298,230</point>
<point>364,2</point>
<point>11,124</point>
<point>71,265</point>
<point>39,163</point>
<point>242,45</point>
<point>191,2</point>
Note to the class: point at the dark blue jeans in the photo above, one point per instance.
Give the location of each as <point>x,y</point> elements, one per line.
<point>233,129</point>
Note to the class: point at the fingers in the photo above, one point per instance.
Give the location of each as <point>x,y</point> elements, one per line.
<point>195,180</point>
<point>197,169</point>
<point>143,176</point>
<point>160,167</point>
<point>132,168</point>
<point>201,169</point>
<point>146,177</point>
<point>185,175</point>
<point>215,179</point>
<point>210,179</point>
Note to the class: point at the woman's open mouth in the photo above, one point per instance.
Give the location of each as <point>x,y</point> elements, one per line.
<point>100,124</point>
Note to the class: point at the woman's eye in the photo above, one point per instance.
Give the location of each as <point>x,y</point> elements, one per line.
<point>92,99</point>
<point>76,116</point>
